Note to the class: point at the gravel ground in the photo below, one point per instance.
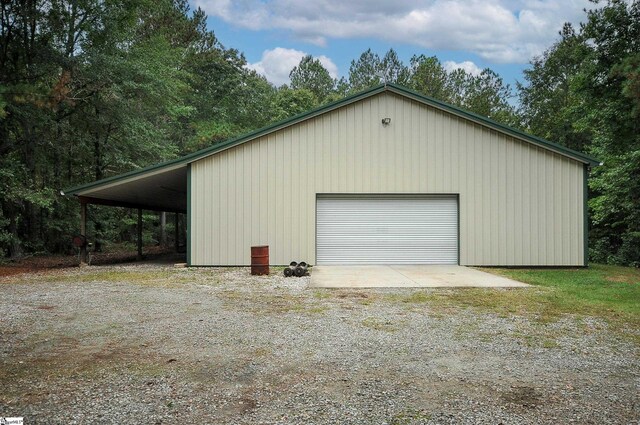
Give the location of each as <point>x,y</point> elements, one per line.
<point>154,344</point>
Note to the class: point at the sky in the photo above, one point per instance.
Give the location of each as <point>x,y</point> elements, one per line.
<point>503,35</point>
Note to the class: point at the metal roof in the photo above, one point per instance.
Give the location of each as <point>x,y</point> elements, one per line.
<point>392,88</point>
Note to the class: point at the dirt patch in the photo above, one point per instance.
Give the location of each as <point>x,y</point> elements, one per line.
<point>386,325</point>
<point>44,263</point>
<point>621,278</point>
<point>352,294</point>
<point>246,404</point>
<point>524,396</point>
<point>13,270</point>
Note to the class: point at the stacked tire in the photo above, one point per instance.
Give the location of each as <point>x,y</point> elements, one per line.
<point>296,269</point>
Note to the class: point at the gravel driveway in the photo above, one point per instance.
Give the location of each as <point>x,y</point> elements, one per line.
<point>154,344</point>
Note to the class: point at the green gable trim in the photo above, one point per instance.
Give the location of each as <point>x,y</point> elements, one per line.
<point>393,88</point>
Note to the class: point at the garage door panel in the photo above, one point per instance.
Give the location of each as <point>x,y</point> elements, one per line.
<point>387,230</point>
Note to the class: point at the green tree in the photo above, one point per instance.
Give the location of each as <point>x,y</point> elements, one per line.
<point>583,92</point>
<point>370,70</point>
<point>364,72</point>
<point>429,77</point>
<point>311,75</point>
<point>393,70</point>
<point>289,102</point>
<point>488,95</point>
<point>608,87</point>
<point>90,88</point>
<point>225,98</point>
<point>485,94</point>
<point>549,103</point>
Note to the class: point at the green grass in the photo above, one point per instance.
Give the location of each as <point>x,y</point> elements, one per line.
<point>601,290</point>
<point>610,293</point>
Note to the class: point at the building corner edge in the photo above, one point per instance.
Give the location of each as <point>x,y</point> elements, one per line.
<point>585,213</point>
<point>189,215</point>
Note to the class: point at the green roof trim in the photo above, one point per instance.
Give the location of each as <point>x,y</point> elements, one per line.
<point>394,88</point>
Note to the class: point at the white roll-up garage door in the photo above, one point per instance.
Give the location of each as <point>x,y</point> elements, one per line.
<point>387,229</point>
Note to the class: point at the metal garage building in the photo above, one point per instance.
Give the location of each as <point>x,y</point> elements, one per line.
<point>387,176</point>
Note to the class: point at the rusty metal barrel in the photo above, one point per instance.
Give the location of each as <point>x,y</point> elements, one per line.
<point>260,259</point>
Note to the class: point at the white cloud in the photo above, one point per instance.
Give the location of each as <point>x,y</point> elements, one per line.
<point>276,64</point>
<point>496,30</point>
<point>467,66</point>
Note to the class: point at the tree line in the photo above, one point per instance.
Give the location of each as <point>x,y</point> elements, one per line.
<point>93,88</point>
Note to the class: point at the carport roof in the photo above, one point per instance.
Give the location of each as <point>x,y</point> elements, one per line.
<point>121,189</point>
<point>159,189</point>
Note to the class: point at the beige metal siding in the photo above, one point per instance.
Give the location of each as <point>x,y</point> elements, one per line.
<point>519,204</point>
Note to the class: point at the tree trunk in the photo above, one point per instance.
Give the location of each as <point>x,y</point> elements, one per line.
<point>31,209</point>
<point>99,174</point>
<point>15,249</point>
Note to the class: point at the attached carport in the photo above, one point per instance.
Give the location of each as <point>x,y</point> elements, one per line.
<point>161,188</point>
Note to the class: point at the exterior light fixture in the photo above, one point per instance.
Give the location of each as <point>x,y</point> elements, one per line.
<point>386,121</point>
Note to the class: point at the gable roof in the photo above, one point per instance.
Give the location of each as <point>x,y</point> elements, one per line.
<point>392,88</point>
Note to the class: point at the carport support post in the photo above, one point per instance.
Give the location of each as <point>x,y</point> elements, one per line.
<point>163,229</point>
<point>139,234</point>
<point>83,231</point>
<point>176,230</point>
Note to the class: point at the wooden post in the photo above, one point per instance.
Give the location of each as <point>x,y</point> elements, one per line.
<point>139,233</point>
<point>163,229</point>
<point>176,225</point>
<point>83,232</point>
